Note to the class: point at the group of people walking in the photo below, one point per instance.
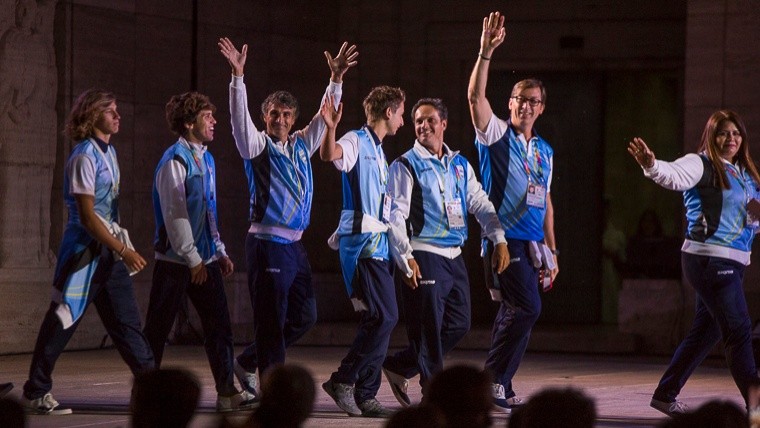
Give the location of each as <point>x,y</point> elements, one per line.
<point>409,215</point>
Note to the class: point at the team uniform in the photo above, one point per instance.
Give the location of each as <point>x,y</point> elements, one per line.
<point>431,197</point>
<point>281,189</point>
<point>517,176</point>
<point>184,204</point>
<point>362,241</point>
<point>714,256</point>
<point>87,271</point>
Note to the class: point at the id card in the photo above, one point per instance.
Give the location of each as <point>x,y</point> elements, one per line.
<point>386,208</point>
<point>753,214</point>
<point>454,213</point>
<point>536,195</point>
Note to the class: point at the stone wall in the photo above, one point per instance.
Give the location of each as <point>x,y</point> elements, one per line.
<point>147,51</point>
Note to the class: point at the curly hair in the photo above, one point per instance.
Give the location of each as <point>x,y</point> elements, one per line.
<point>709,145</point>
<point>281,97</point>
<point>85,112</point>
<point>184,108</point>
<point>380,98</point>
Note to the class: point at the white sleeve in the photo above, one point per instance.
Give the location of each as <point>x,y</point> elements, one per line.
<point>170,183</point>
<point>315,130</point>
<point>249,140</point>
<point>350,145</point>
<point>400,184</point>
<point>551,175</point>
<point>481,207</point>
<point>494,131</point>
<point>82,175</point>
<point>680,175</point>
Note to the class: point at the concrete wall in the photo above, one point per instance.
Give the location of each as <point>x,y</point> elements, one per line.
<point>146,51</point>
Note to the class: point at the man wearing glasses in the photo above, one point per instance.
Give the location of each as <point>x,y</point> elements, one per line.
<point>516,168</point>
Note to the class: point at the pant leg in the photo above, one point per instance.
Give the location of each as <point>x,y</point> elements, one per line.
<point>170,281</point>
<point>117,307</point>
<point>52,339</point>
<point>457,311</point>
<point>520,308</point>
<point>405,361</point>
<point>277,271</point>
<point>248,359</point>
<point>718,283</point>
<point>210,301</point>
<point>302,303</point>
<point>363,363</point>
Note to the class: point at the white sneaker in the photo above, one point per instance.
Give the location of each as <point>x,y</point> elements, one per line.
<point>501,402</point>
<point>248,381</point>
<point>45,405</point>
<point>243,400</point>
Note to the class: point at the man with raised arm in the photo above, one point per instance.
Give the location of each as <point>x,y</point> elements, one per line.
<point>281,186</point>
<point>433,188</point>
<point>516,167</point>
<point>362,241</point>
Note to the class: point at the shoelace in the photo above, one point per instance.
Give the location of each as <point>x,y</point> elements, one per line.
<point>678,407</point>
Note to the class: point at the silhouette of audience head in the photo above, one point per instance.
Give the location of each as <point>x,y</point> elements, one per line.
<point>463,394</point>
<point>11,414</point>
<point>287,398</point>
<point>422,416</point>
<point>713,414</point>
<point>553,407</point>
<point>164,398</point>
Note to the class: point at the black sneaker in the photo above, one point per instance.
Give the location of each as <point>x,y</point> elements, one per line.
<point>671,409</point>
<point>399,387</point>
<point>343,395</point>
<point>373,409</point>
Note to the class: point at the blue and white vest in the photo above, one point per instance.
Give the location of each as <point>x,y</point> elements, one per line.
<point>503,172</point>
<point>281,187</point>
<point>200,194</point>
<point>717,216</point>
<point>427,220</point>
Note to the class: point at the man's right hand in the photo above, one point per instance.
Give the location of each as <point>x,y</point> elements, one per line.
<point>493,33</point>
<point>133,260</point>
<point>235,58</point>
<point>198,274</point>
<point>412,281</point>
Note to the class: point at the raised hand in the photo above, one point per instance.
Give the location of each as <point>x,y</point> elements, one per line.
<point>235,58</point>
<point>640,151</point>
<point>493,33</point>
<point>330,114</point>
<point>345,59</point>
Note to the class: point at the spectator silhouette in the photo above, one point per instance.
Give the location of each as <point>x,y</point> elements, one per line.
<point>164,398</point>
<point>463,394</point>
<point>11,414</point>
<point>553,407</point>
<point>651,254</point>
<point>287,398</point>
<point>422,416</point>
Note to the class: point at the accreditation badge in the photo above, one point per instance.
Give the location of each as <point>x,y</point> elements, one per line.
<point>454,213</point>
<point>536,195</point>
<point>386,208</point>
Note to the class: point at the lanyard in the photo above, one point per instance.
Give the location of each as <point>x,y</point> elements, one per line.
<point>382,165</point>
<point>537,160</point>
<point>115,173</point>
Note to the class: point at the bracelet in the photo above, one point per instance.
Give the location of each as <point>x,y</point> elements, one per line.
<point>554,251</point>
<point>485,58</point>
<point>123,249</point>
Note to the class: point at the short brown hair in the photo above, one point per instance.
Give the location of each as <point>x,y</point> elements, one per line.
<point>381,98</point>
<point>184,108</point>
<point>86,110</point>
<point>530,83</point>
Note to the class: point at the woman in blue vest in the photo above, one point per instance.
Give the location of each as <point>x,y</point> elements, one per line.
<point>720,191</point>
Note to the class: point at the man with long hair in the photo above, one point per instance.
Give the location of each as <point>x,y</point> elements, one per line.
<point>96,255</point>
